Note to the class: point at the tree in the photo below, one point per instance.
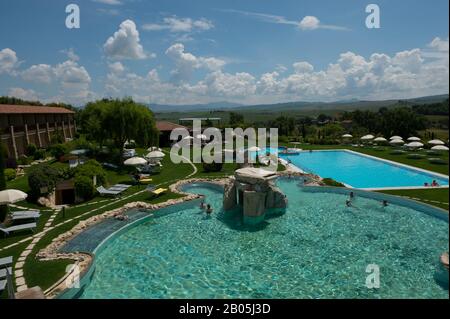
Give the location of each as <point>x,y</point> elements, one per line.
<point>236,119</point>
<point>3,208</point>
<point>118,120</point>
<point>42,180</point>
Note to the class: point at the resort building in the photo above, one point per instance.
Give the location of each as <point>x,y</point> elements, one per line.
<point>21,125</point>
<point>164,129</point>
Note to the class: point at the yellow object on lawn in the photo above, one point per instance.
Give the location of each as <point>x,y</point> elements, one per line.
<point>145,180</point>
<point>159,191</point>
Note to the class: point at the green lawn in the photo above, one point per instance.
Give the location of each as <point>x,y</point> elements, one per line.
<point>435,197</point>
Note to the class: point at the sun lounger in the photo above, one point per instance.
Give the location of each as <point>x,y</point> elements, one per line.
<point>25,212</point>
<point>3,272</point>
<point>6,261</point>
<point>5,264</point>
<point>24,217</point>
<point>158,192</point>
<point>21,215</point>
<point>108,192</point>
<point>7,231</point>
<point>126,186</point>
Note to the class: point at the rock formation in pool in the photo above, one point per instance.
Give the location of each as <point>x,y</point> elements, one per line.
<point>253,189</point>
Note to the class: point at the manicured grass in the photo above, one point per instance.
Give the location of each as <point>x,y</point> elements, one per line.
<point>435,197</point>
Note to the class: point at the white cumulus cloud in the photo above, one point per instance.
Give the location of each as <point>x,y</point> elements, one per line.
<point>125,43</point>
<point>8,61</point>
<point>175,24</point>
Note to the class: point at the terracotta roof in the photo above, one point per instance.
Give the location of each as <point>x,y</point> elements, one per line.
<point>167,126</point>
<point>29,109</point>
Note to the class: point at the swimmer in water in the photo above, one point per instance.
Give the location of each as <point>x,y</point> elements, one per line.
<point>209,209</point>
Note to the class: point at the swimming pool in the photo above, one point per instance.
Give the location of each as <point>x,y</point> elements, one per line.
<point>317,249</point>
<point>360,171</point>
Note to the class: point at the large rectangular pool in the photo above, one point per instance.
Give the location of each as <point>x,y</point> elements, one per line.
<point>360,171</point>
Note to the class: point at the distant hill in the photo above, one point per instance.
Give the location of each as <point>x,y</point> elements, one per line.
<point>348,105</point>
<point>161,108</point>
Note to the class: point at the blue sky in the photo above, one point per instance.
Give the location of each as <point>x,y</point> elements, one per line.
<point>200,51</point>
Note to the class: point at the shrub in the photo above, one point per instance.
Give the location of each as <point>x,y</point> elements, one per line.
<point>58,151</point>
<point>84,187</point>
<point>397,152</point>
<point>31,149</point>
<point>39,154</point>
<point>24,160</point>
<point>332,182</point>
<point>212,167</point>
<point>42,180</point>
<point>57,139</point>
<point>415,156</point>
<point>90,169</point>
<point>10,174</point>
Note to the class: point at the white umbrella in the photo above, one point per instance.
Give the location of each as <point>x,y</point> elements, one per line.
<point>439,148</point>
<point>396,137</point>
<point>202,137</point>
<point>414,145</point>
<point>254,149</point>
<point>436,142</point>
<point>9,196</point>
<point>79,152</point>
<point>414,139</point>
<point>155,154</point>
<point>135,161</point>
<point>380,139</point>
<point>397,142</point>
<point>347,136</point>
<point>367,137</point>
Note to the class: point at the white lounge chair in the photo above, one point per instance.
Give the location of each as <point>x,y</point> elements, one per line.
<point>8,230</point>
<point>3,272</point>
<point>22,215</point>
<point>107,192</point>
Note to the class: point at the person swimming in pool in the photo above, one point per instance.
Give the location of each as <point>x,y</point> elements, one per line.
<point>385,203</point>
<point>348,203</point>
<point>434,183</point>
<point>202,204</point>
<point>352,195</point>
<point>209,209</point>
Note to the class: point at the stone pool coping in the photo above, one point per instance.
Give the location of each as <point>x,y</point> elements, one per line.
<point>405,166</point>
<point>84,260</point>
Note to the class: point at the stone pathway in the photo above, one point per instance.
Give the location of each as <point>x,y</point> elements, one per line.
<point>18,267</point>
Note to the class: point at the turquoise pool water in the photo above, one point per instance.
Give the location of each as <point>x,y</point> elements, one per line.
<point>317,249</point>
<point>360,171</point>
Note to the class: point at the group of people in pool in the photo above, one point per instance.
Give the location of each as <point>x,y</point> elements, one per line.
<point>434,183</point>
<point>349,201</point>
<point>208,208</point>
